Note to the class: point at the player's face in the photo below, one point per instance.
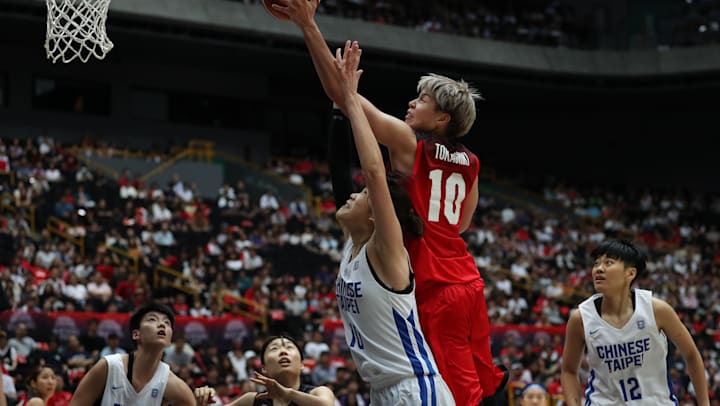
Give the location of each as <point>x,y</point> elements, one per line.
<point>610,274</point>
<point>534,397</point>
<point>357,208</point>
<point>155,328</point>
<point>45,383</point>
<point>282,356</point>
<point>422,114</point>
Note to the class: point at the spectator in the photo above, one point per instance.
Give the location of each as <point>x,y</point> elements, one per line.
<point>22,343</point>
<point>52,356</point>
<point>99,291</point>
<point>90,340</point>
<point>323,373</point>
<point>8,388</point>
<point>75,291</point>
<point>180,353</point>
<point>113,346</point>
<point>42,386</point>
<point>316,346</point>
<point>238,359</point>
<point>268,201</point>
<point>8,354</point>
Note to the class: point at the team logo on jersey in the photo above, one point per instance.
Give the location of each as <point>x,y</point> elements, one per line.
<point>356,266</point>
<point>641,324</point>
<point>154,392</point>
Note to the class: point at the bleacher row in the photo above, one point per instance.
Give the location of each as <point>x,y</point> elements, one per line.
<point>78,240</point>
<point>553,23</point>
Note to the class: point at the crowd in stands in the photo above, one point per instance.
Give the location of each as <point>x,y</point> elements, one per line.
<point>553,23</point>
<point>282,255</point>
<point>546,22</point>
<point>697,23</point>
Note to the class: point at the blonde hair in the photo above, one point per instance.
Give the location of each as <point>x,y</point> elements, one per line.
<point>454,97</point>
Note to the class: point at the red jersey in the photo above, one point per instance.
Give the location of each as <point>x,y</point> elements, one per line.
<point>442,177</point>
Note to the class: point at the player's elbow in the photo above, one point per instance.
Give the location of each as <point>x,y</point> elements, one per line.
<point>568,370</point>
<point>373,172</point>
<point>693,358</point>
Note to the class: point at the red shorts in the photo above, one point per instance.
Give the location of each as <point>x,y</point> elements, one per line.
<point>455,322</point>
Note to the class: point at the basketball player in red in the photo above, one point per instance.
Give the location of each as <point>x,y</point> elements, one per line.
<point>443,186</point>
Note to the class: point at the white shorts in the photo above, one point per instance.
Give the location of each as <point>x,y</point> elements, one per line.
<point>423,391</point>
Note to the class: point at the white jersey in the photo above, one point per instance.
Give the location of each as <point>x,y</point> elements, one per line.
<point>120,392</point>
<point>382,330</point>
<point>627,365</point>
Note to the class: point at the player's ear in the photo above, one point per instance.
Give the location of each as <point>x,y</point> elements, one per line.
<point>443,118</point>
<point>631,272</point>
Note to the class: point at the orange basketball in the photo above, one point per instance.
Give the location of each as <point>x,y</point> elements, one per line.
<point>275,13</point>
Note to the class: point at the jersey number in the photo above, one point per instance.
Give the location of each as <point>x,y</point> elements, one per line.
<point>630,387</point>
<point>356,340</point>
<point>454,196</point>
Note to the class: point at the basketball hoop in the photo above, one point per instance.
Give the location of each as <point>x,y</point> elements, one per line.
<point>76,29</point>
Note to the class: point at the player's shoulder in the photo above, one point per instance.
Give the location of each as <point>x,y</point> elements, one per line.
<point>101,366</point>
<point>661,306</point>
<point>575,315</point>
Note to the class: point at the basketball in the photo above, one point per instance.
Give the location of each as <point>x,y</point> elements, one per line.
<point>275,13</point>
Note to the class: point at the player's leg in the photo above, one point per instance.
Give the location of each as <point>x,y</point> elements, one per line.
<point>491,377</point>
<point>445,319</point>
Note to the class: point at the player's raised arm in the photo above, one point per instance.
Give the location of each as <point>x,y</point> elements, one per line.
<point>389,131</point>
<point>387,240</point>
<point>302,14</point>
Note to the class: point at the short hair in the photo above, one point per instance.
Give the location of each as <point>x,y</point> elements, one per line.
<point>622,250</point>
<point>273,338</point>
<point>454,97</point>
<point>410,222</point>
<point>137,317</point>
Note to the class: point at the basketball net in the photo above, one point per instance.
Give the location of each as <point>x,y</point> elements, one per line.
<point>76,29</point>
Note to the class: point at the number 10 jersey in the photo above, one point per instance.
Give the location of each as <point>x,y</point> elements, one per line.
<point>442,178</point>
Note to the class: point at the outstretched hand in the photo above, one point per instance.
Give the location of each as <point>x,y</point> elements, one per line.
<point>347,63</point>
<point>300,12</point>
<point>275,390</point>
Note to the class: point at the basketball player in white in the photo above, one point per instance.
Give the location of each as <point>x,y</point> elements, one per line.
<point>138,378</point>
<point>625,331</point>
<point>375,286</point>
<point>282,366</point>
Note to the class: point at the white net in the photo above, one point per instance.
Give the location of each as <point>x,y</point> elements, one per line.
<point>76,29</point>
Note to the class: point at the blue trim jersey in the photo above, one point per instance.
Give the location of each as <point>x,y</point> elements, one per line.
<point>628,365</point>
<point>382,331</point>
<point>120,392</point>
